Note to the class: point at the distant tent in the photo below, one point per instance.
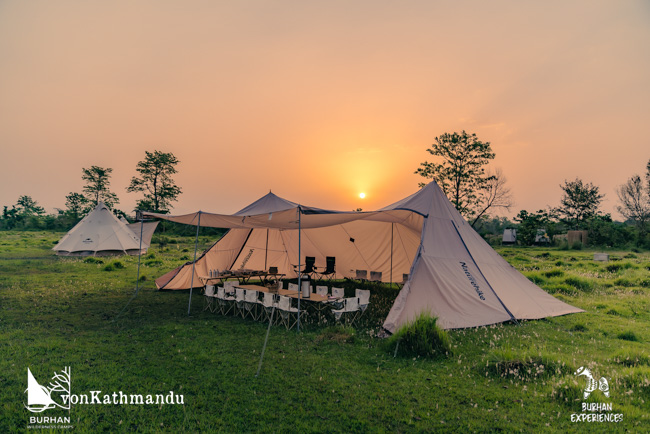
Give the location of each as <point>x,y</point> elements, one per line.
<point>509,236</point>
<point>452,272</point>
<point>101,233</point>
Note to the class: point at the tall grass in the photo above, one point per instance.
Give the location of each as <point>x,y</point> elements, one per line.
<point>420,338</point>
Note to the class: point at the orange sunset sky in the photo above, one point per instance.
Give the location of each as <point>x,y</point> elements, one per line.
<point>320,100</point>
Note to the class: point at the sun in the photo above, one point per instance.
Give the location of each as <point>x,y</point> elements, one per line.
<point>362,195</point>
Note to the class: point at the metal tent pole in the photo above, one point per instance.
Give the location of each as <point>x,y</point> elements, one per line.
<point>392,225</point>
<point>299,266</point>
<point>196,245</point>
<point>266,251</point>
<point>266,340</point>
<point>137,279</point>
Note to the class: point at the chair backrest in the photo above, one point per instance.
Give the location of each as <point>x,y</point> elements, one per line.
<point>229,284</point>
<point>363,295</point>
<point>221,292</point>
<point>267,300</point>
<point>251,296</point>
<point>239,294</point>
<point>309,263</point>
<point>330,263</point>
<point>273,270</point>
<point>405,277</point>
<point>362,274</point>
<point>209,290</point>
<point>352,304</point>
<point>375,276</point>
<point>321,290</point>
<point>284,302</point>
<point>293,287</point>
<point>338,292</point>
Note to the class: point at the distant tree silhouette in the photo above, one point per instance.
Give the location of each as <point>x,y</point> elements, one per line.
<point>156,182</point>
<point>98,181</point>
<point>462,176</point>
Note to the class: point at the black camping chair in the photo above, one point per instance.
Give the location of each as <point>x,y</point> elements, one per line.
<point>330,268</point>
<point>309,266</point>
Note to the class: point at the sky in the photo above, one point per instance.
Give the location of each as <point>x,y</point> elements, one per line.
<point>319,101</point>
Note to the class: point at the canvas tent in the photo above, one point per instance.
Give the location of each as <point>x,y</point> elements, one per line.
<point>452,272</point>
<point>509,236</point>
<point>101,233</point>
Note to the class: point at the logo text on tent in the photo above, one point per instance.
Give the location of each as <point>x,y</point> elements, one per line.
<point>472,281</point>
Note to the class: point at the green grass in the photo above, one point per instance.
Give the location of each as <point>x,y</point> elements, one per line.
<point>57,312</point>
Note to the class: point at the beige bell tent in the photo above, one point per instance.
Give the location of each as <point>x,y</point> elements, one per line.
<point>452,272</point>
<point>101,233</point>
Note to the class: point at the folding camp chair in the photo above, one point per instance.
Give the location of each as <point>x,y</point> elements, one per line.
<point>349,310</point>
<point>240,300</point>
<point>287,312</point>
<point>268,303</point>
<point>364,300</point>
<point>338,292</point>
<point>209,298</point>
<point>250,304</point>
<point>330,268</point>
<point>375,276</point>
<point>362,275</point>
<point>225,301</point>
<point>309,266</point>
<point>322,290</point>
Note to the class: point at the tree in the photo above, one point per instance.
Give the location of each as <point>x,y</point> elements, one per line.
<point>461,174</point>
<point>494,195</point>
<point>579,203</point>
<point>530,224</point>
<point>156,181</point>
<point>26,206</point>
<point>76,204</point>
<point>635,202</point>
<point>97,186</point>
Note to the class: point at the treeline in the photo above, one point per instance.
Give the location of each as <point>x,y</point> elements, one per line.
<point>462,172</point>
<point>153,180</point>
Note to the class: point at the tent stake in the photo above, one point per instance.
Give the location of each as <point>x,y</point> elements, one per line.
<point>259,367</point>
<point>196,245</point>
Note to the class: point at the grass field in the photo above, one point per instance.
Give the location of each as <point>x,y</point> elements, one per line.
<point>58,312</point>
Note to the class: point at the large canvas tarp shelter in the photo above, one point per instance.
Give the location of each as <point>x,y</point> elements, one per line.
<point>101,233</point>
<point>452,272</point>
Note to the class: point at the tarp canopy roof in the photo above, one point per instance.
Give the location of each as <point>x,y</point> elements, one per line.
<point>272,211</point>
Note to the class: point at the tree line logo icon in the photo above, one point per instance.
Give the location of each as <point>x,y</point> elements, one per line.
<point>41,398</point>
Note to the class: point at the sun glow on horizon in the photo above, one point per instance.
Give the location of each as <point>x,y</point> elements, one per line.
<point>362,195</point>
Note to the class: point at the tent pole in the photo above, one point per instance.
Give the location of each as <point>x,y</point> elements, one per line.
<point>392,225</point>
<point>196,245</point>
<point>137,279</point>
<point>266,250</point>
<point>299,268</point>
<point>259,367</point>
